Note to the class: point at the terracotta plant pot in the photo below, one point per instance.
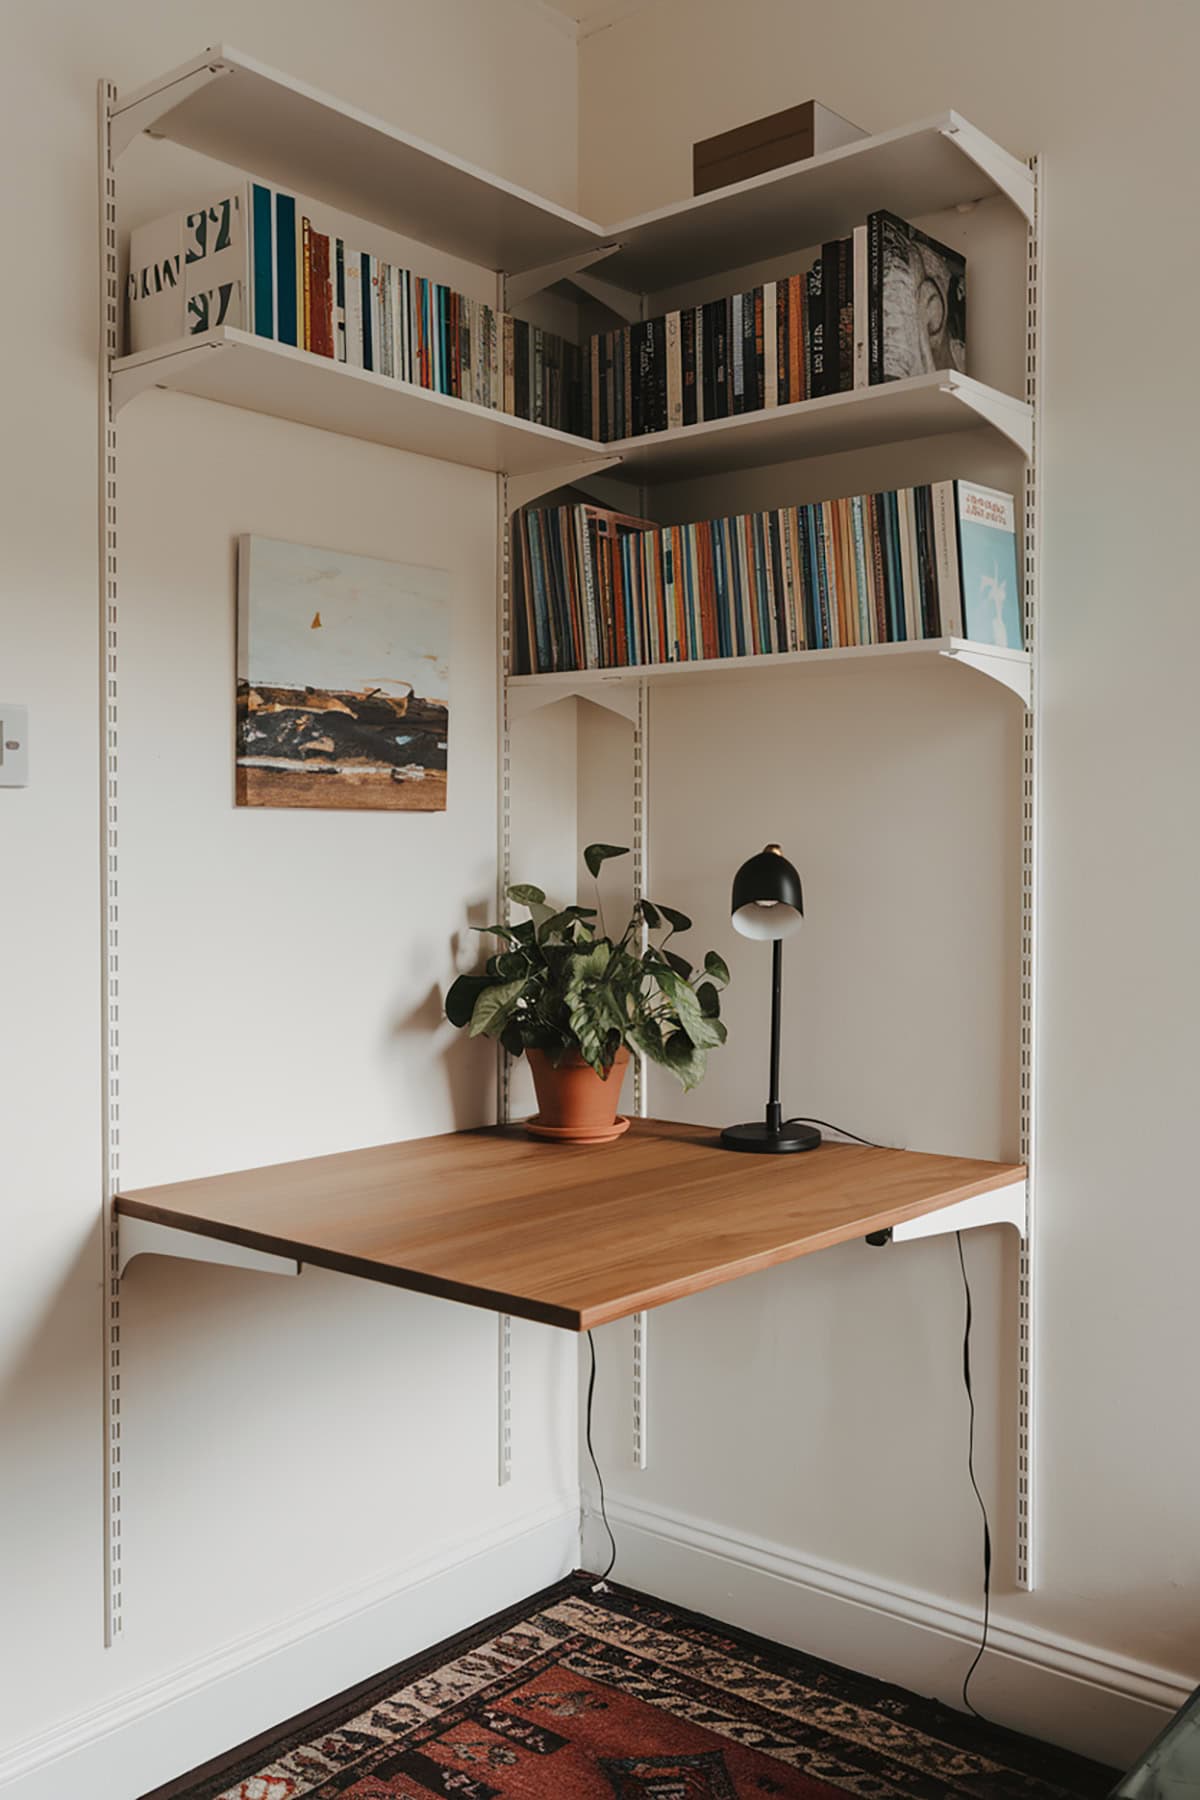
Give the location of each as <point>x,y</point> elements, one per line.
<point>575,1105</point>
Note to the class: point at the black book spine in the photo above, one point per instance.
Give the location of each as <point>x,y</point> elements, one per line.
<point>639,344</point>
<point>521,367</point>
<point>687,357</point>
<point>816,329</point>
<point>658,353</point>
<point>845,315</point>
<point>783,341</point>
<point>708,317</point>
<point>875,298</point>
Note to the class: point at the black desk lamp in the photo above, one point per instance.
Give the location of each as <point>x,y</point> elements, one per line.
<point>768,904</point>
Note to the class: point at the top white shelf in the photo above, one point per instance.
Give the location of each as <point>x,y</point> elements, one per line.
<point>228,106</point>
<point>231,107</point>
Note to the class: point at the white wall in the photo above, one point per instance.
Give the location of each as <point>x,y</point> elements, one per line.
<point>296,1454</point>
<point>818,1409</point>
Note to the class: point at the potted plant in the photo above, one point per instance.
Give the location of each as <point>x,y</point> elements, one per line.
<point>577,1001</point>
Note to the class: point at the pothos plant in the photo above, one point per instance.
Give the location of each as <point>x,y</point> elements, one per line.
<point>560,983</point>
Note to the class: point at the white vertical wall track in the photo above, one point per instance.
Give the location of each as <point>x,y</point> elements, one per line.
<point>503,879</point>
<point>1026,1568</point>
<point>110,324</point>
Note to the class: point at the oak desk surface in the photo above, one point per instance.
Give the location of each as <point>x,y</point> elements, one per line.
<point>573,1237</point>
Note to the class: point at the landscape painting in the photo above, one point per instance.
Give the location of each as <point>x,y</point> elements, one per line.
<point>343,680</point>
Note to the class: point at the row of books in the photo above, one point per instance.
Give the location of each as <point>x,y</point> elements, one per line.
<point>886,303</point>
<point>257,259</point>
<point>597,589</point>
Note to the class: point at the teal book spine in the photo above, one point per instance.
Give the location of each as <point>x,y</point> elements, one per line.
<point>262,252</point>
<point>285,268</point>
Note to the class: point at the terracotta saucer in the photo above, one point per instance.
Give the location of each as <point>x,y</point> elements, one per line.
<point>595,1134</point>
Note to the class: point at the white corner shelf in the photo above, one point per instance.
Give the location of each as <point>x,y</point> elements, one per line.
<point>263,376</point>
<point>615,688</point>
<point>916,170</point>
<point>241,111</point>
<point>229,106</point>
<point>892,412</point>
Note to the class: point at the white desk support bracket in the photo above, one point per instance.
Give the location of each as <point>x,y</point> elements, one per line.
<point>143,110</point>
<point>999,1206</point>
<point>145,1237</point>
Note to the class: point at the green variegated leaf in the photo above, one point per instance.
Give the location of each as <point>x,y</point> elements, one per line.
<point>676,920</point>
<point>493,1007</point>
<point>717,967</point>
<point>527,895</point>
<point>650,913</point>
<point>710,1000</point>
<point>684,1060</point>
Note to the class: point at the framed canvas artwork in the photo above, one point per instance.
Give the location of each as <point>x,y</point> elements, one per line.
<point>343,680</point>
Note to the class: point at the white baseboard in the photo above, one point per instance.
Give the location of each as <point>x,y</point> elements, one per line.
<point>1085,1699</point>
<point>143,1738</point>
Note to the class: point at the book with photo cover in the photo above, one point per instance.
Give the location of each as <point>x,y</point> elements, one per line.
<point>917,301</point>
<point>987,547</point>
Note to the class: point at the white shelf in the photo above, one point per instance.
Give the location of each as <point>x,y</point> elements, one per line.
<point>894,411</point>
<point>263,376</point>
<point>240,111</point>
<point>613,687</point>
<point>918,169</point>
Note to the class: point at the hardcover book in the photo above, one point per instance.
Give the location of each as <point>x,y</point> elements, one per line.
<point>917,301</point>
<point>987,542</point>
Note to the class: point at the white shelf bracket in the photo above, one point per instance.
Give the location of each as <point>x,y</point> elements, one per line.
<point>144,1237</point>
<point>627,306</point>
<point>1000,1206</point>
<point>641,1369</point>
<point>504,1415</point>
<point>616,696</point>
<point>127,384</point>
<point>130,121</point>
<point>567,268</point>
<point>1011,418</point>
<point>1016,676</point>
<point>1013,178</point>
<point>524,488</point>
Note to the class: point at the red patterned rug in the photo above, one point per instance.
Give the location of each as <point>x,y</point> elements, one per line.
<point>611,1696</point>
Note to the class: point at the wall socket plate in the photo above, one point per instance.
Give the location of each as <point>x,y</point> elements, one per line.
<point>14,745</point>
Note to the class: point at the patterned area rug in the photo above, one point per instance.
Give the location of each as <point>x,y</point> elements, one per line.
<point>612,1696</point>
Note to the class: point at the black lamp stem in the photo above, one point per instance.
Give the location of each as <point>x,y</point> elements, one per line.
<point>774,1108</point>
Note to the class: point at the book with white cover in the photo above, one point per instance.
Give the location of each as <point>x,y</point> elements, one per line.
<point>190,272</point>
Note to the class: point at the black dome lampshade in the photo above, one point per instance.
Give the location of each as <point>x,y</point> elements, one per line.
<point>768,901</point>
<point>768,905</point>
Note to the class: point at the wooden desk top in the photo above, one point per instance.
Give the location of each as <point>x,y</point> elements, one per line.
<point>568,1236</point>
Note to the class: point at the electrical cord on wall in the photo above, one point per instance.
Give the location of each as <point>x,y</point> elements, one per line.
<point>987,1529</point>
<point>591,1390</point>
<point>967,1383</point>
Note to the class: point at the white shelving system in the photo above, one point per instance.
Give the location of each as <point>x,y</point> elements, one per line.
<point>228,106</point>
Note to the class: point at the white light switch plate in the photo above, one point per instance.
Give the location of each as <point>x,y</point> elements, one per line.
<point>14,745</point>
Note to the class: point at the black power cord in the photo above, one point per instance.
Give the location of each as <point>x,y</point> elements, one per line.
<point>987,1529</point>
<point>841,1131</point>
<point>967,1383</point>
<point>591,1390</point>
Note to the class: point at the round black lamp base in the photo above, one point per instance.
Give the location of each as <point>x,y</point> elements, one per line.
<point>758,1139</point>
